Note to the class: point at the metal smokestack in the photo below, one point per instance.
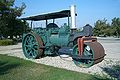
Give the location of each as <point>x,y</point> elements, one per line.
<point>73,17</point>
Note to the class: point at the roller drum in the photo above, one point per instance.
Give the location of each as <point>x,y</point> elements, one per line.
<point>93,50</point>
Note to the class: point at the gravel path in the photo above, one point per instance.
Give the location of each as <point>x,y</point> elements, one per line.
<point>112,49</point>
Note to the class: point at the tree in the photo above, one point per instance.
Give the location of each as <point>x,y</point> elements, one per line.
<point>101,26</point>
<point>105,29</point>
<point>9,23</point>
<point>116,26</point>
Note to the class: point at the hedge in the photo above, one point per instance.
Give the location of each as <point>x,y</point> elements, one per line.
<point>7,42</point>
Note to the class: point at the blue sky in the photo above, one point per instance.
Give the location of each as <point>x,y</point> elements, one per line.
<point>88,11</point>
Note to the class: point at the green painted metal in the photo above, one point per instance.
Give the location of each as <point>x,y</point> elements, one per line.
<point>62,38</point>
<point>50,36</point>
<point>30,46</point>
<point>87,52</point>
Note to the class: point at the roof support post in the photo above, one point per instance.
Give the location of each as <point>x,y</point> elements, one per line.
<point>53,20</point>
<point>68,20</point>
<point>46,22</point>
<point>31,24</point>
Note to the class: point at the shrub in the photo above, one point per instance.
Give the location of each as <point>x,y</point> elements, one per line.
<point>7,42</point>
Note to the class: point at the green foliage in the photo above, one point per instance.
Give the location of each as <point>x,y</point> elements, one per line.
<point>105,29</point>
<point>101,28</point>
<point>9,23</point>
<point>6,42</point>
<point>116,26</point>
<point>12,68</point>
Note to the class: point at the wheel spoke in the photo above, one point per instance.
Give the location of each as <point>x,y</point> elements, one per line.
<point>27,40</point>
<point>32,39</point>
<point>34,52</point>
<point>27,46</point>
<point>30,53</point>
<point>35,44</point>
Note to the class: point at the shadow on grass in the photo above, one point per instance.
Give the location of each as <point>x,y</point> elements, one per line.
<point>5,67</point>
<point>113,71</point>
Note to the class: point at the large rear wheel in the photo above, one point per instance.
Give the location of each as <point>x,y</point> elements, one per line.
<point>31,46</point>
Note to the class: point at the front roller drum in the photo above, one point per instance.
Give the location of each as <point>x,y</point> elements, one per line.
<point>93,51</point>
<point>31,45</point>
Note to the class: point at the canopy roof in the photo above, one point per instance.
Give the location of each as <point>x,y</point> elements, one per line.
<point>60,14</point>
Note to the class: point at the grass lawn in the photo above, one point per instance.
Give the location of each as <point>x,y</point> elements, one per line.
<point>12,68</point>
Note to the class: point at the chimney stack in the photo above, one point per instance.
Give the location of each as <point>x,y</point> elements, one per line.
<point>73,16</point>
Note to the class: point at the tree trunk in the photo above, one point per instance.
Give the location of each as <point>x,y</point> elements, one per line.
<point>11,36</point>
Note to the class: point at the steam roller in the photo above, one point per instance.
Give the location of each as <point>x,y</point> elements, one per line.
<point>65,40</point>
